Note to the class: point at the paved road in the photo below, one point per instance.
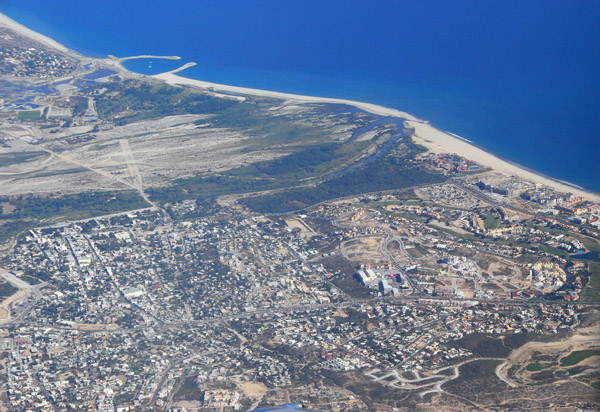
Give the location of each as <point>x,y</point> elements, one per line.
<point>13,280</point>
<point>324,306</point>
<point>47,394</point>
<point>21,284</point>
<point>384,248</point>
<point>482,196</point>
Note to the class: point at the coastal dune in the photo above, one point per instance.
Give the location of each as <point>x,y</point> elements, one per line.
<point>426,135</point>
<point>172,78</point>
<point>433,139</point>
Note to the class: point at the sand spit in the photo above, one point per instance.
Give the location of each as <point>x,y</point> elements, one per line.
<point>171,78</point>
<point>182,68</point>
<point>434,139</point>
<point>144,56</point>
<point>425,134</point>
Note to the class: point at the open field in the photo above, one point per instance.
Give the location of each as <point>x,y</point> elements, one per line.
<point>549,361</point>
<point>29,115</point>
<point>577,356</point>
<point>363,249</point>
<point>155,152</point>
<point>305,230</point>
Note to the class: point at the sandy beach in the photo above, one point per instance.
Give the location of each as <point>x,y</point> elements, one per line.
<point>434,139</point>
<point>440,142</point>
<point>172,78</point>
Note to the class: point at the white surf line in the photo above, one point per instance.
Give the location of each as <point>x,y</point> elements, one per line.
<point>144,56</point>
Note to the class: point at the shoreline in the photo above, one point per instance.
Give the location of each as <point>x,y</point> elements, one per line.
<point>40,38</point>
<point>171,78</point>
<point>143,56</point>
<point>435,140</point>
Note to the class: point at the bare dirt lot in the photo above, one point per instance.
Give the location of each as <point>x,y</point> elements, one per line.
<point>253,389</point>
<point>305,230</point>
<point>8,303</point>
<point>364,249</point>
<point>548,355</point>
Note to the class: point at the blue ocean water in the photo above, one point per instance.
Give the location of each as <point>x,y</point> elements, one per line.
<point>521,79</point>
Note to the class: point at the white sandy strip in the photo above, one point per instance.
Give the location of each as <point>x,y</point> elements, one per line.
<point>40,38</point>
<point>439,142</point>
<point>435,140</point>
<point>148,56</point>
<point>430,137</point>
<point>171,78</point>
